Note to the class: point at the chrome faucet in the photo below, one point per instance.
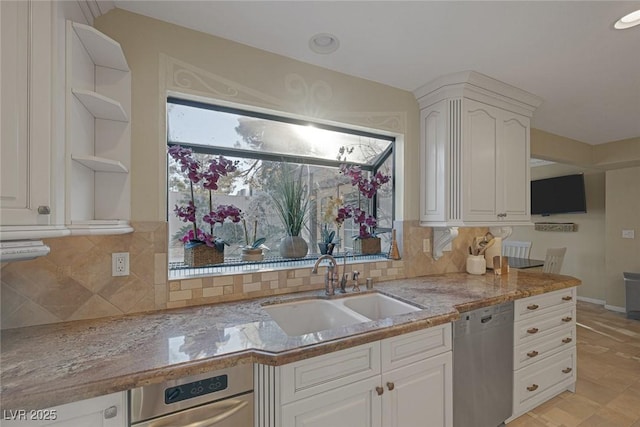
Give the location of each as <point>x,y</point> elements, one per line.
<point>331,276</point>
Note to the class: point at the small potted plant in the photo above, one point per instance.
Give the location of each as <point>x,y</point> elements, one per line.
<point>327,245</point>
<point>366,242</point>
<point>253,249</point>
<point>203,247</point>
<point>330,239</point>
<point>291,201</point>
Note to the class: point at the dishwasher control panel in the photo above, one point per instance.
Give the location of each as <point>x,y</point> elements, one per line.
<point>195,389</point>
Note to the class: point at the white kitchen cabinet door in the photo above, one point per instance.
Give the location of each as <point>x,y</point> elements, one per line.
<point>102,411</point>
<point>25,92</point>
<point>496,159</point>
<point>480,160</point>
<point>355,405</point>
<point>513,191</point>
<point>419,394</point>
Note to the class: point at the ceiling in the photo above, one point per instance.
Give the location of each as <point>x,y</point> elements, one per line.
<point>568,53</point>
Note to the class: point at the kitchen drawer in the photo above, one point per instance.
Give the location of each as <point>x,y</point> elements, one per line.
<point>534,351</point>
<point>529,307</point>
<point>541,380</point>
<point>409,348</point>
<point>322,373</point>
<point>532,329</point>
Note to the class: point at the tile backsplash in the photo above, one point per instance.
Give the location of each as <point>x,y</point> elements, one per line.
<point>74,281</point>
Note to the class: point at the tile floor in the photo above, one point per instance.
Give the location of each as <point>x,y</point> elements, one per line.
<point>608,387</point>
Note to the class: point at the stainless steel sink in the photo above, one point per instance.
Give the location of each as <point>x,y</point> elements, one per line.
<point>377,306</point>
<point>313,315</point>
<point>307,316</point>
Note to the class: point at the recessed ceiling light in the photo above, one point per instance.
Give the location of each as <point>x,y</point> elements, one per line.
<point>324,43</point>
<point>628,21</point>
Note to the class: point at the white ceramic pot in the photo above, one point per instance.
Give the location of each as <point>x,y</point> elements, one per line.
<point>476,264</point>
<point>293,247</point>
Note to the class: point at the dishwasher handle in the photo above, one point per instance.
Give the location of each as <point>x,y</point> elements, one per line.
<point>201,416</point>
<point>486,319</point>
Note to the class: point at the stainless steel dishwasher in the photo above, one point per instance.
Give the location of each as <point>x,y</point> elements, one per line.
<point>483,367</point>
<point>215,399</point>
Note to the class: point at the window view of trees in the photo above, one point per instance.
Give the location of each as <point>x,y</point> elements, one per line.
<point>265,147</point>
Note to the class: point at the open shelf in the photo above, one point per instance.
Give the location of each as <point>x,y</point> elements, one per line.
<point>98,134</point>
<point>100,106</point>
<point>104,51</point>
<point>100,164</point>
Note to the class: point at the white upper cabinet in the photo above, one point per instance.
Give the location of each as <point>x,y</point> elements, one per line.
<point>474,151</point>
<point>27,208</point>
<point>98,136</point>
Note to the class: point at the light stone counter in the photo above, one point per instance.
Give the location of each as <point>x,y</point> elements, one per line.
<point>43,366</point>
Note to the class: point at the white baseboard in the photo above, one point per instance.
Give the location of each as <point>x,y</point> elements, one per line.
<point>615,308</point>
<point>592,300</point>
<point>603,303</point>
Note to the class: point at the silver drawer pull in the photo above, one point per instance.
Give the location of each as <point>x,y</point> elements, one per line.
<point>532,353</point>
<point>532,387</point>
<point>533,307</point>
<point>532,331</point>
<point>567,340</point>
<point>567,298</point>
<point>567,319</point>
<point>566,370</point>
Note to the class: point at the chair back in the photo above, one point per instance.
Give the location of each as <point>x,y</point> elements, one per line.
<point>515,249</point>
<point>553,260</point>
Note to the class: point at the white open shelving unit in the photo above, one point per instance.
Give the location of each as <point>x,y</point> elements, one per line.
<point>98,134</point>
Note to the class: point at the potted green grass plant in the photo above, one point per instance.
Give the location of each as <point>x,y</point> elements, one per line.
<point>291,201</point>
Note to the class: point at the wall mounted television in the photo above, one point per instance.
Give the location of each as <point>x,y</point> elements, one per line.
<point>562,194</point>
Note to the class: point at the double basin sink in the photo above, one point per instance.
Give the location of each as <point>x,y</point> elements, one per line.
<point>313,315</point>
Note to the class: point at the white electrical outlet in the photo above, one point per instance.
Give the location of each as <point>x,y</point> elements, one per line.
<point>628,234</point>
<point>120,264</point>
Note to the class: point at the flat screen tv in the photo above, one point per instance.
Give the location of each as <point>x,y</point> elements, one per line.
<point>562,194</point>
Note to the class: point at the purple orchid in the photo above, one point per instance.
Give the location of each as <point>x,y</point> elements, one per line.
<point>367,188</point>
<point>209,176</point>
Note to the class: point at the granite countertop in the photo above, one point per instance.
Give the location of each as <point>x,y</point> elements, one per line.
<point>49,365</point>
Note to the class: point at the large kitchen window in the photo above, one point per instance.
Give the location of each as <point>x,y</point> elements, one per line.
<point>264,146</point>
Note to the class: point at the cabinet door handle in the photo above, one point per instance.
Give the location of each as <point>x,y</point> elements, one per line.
<point>532,331</point>
<point>533,387</point>
<point>567,319</point>
<point>44,210</point>
<point>379,390</point>
<point>567,340</point>
<point>532,353</point>
<point>391,386</point>
<point>566,370</point>
<point>533,307</point>
<point>567,298</point>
